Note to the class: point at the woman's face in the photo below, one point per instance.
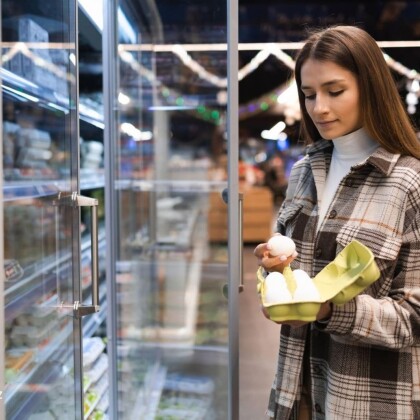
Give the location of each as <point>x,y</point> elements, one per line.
<point>331,98</point>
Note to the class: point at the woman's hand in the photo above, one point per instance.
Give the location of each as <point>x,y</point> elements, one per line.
<point>324,312</point>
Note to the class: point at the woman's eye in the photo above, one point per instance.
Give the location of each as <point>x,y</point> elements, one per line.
<point>310,97</point>
<point>336,93</point>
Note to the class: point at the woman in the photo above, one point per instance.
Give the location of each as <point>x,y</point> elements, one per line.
<point>359,179</point>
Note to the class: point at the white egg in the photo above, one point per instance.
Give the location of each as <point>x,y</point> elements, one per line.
<point>276,290</point>
<point>305,287</point>
<point>281,245</point>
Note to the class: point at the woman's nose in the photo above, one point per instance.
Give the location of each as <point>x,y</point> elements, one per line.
<point>321,105</point>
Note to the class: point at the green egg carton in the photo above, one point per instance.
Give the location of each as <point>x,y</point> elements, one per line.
<point>351,272</point>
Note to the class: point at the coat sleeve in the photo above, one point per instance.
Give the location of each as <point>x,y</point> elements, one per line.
<point>392,321</point>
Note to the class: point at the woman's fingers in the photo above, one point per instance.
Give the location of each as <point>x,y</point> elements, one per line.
<point>260,249</point>
<point>271,263</point>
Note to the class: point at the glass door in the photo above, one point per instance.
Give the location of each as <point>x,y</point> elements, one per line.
<point>41,291</point>
<point>171,148</point>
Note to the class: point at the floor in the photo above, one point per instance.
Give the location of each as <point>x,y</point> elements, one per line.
<point>258,347</point>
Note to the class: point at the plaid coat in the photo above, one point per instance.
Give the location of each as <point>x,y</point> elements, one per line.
<point>365,362</point>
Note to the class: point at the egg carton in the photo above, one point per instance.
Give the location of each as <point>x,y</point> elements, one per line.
<point>351,272</point>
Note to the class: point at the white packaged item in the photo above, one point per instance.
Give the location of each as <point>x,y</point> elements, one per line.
<point>187,383</point>
<point>32,137</point>
<point>92,349</point>
<point>97,369</point>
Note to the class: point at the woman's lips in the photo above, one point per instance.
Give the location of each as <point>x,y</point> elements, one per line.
<point>325,124</point>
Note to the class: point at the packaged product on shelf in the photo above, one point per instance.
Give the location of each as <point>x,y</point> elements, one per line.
<point>32,336</point>
<point>101,408</point>
<point>189,383</point>
<point>16,361</point>
<point>91,154</point>
<point>100,387</point>
<point>103,403</point>
<point>12,270</point>
<point>33,63</point>
<point>33,158</point>
<point>34,138</point>
<point>92,349</point>
<point>94,395</point>
<point>97,370</point>
<point>33,148</point>
<point>10,131</point>
<point>60,58</point>
<point>31,31</point>
<point>33,244</point>
<point>37,316</point>
<point>183,406</point>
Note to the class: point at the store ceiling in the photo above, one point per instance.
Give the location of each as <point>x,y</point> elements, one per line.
<point>203,21</point>
<point>287,21</point>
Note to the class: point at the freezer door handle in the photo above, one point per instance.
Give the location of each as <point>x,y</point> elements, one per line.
<point>77,200</point>
<point>241,242</point>
<point>225,195</point>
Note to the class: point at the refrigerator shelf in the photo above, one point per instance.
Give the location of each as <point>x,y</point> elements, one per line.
<point>149,410</point>
<point>184,334</point>
<point>100,411</point>
<point>30,189</point>
<point>94,395</point>
<point>30,288</point>
<point>95,373</point>
<point>31,395</point>
<point>40,355</point>
<point>22,89</point>
<point>190,186</point>
<point>24,189</point>
<point>36,365</point>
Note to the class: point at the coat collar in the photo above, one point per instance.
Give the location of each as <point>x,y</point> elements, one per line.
<point>381,159</point>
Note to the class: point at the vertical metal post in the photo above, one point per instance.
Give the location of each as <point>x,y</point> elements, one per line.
<point>2,308</point>
<point>232,121</point>
<point>111,132</point>
<point>75,212</point>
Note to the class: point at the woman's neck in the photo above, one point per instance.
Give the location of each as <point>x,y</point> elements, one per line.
<point>354,145</point>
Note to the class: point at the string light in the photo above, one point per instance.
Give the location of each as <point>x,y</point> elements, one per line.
<point>401,69</point>
<point>287,99</point>
<point>412,96</point>
<point>284,96</point>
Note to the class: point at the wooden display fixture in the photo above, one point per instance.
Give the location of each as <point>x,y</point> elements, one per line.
<point>257,215</point>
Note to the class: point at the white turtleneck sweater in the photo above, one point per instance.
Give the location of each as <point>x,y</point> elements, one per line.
<point>348,151</point>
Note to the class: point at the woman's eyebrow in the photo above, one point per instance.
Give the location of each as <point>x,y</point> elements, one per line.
<point>330,82</point>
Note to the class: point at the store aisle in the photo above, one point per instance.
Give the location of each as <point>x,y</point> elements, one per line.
<point>258,346</point>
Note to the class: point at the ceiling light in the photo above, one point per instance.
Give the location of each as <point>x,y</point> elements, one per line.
<point>274,132</point>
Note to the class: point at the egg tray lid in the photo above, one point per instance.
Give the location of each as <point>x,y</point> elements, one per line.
<point>351,272</point>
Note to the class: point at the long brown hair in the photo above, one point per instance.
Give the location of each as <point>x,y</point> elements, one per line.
<point>384,115</point>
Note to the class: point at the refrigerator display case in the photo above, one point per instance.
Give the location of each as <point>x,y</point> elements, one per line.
<point>167,313</point>
<point>51,244</point>
<point>121,316</point>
